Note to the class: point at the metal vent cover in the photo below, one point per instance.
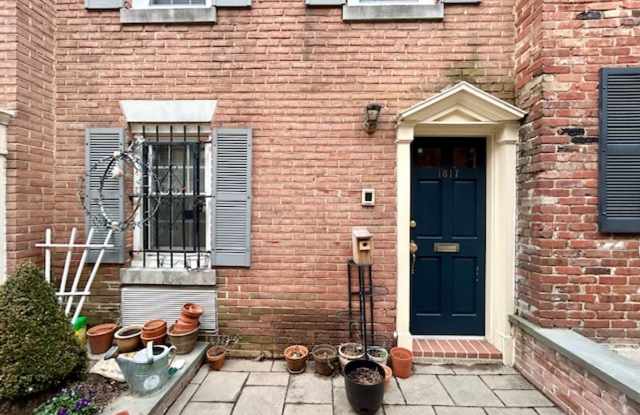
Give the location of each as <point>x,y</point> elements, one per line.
<point>139,304</point>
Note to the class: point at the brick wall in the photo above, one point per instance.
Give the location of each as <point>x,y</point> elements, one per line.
<point>27,86</point>
<point>301,78</point>
<point>569,274</point>
<point>570,386</point>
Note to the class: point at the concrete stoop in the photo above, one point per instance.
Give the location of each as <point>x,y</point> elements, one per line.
<point>158,402</point>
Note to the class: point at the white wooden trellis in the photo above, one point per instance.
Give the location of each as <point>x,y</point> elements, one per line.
<point>69,295</point>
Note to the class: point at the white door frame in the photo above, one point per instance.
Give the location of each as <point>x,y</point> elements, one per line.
<point>466,111</point>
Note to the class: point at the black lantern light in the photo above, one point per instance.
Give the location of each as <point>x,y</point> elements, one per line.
<point>371,115</point>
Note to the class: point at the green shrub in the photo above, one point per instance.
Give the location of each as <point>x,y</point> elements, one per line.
<point>37,347</point>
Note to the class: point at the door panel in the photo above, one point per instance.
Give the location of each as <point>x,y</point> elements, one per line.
<point>448,208</point>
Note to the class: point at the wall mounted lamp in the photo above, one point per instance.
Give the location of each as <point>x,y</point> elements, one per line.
<point>371,116</point>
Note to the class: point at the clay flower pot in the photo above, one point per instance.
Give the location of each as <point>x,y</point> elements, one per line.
<point>192,310</point>
<point>296,357</point>
<point>215,357</point>
<point>181,327</point>
<point>184,342</point>
<point>101,337</point>
<point>154,328</point>
<point>388,374</point>
<point>325,357</point>
<point>401,362</point>
<point>350,351</point>
<point>157,340</point>
<point>128,338</point>
<point>193,322</point>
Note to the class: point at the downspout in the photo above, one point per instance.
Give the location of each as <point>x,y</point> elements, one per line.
<point>5,117</point>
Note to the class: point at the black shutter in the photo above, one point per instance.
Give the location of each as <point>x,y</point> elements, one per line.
<point>619,150</point>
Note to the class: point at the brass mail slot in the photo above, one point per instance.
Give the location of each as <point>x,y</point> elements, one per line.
<point>446,247</point>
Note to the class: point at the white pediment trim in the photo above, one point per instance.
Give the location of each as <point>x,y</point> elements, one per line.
<point>462,103</point>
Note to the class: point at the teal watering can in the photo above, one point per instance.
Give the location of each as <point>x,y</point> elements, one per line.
<point>145,371</point>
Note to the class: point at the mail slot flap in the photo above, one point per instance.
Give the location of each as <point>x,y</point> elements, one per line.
<point>446,247</point>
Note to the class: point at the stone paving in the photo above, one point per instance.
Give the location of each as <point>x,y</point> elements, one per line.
<point>246,387</point>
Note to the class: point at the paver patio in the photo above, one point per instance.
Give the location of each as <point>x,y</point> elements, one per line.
<point>246,387</point>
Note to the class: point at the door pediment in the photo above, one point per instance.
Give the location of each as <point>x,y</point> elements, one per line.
<point>462,103</point>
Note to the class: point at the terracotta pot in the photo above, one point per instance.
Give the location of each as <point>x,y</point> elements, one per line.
<point>101,337</point>
<point>401,362</point>
<point>184,342</point>
<point>154,328</point>
<point>180,327</point>
<point>215,357</point>
<point>325,357</point>
<point>157,340</point>
<point>128,338</point>
<point>192,310</point>
<point>296,357</point>
<point>388,373</point>
<point>188,320</point>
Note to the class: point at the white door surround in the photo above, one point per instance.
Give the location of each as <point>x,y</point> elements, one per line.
<point>464,110</point>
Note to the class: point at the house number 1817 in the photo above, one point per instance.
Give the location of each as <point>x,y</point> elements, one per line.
<point>448,173</point>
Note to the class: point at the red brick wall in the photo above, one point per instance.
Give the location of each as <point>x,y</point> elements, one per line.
<point>569,274</point>
<point>570,386</point>
<point>301,78</point>
<point>27,86</point>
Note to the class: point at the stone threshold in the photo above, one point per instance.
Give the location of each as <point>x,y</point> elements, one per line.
<point>455,350</point>
<point>158,402</point>
<point>596,359</point>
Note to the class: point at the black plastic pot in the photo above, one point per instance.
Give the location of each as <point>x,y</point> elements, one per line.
<point>364,399</point>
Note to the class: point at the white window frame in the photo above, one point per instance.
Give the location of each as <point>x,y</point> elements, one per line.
<point>178,259</point>
<point>148,4</point>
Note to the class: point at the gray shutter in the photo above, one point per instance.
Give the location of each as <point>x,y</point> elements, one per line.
<point>103,4</point>
<point>619,150</point>
<point>99,144</point>
<point>231,230</point>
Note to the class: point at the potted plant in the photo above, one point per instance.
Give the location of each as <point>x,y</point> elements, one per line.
<point>325,357</point>
<point>128,338</point>
<point>215,357</point>
<point>348,352</point>
<point>296,357</point>
<point>364,384</point>
<point>378,354</point>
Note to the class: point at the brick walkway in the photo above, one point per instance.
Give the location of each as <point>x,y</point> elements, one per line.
<point>247,387</point>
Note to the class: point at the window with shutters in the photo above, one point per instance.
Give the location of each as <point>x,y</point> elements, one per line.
<point>176,200</point>
<point>171,4</point>
<point>619,150</point>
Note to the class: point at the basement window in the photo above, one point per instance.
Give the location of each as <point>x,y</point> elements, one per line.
<point>169,11</point>
<point>393,10</point>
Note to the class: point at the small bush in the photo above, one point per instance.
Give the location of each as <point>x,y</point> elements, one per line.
<point>75,401</point>
<point>37,347</point>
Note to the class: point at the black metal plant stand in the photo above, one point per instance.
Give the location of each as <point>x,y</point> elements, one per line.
<point>364,293</point>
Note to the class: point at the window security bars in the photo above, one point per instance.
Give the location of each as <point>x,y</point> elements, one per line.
<point>174,235</point>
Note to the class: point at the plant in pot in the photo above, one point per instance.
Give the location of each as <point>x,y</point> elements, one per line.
<point>350,351</point>
<point>218,350</point>
<point>378,354</point>
<point>296,357</point>
<point>364,385</point>
<point>325,357</point>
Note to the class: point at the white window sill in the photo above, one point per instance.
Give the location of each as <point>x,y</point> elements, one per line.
<point>364,12</point>
<point>164,15</point>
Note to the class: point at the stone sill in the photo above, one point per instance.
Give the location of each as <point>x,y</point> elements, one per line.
<point>163,16</point>
<point>393,12</point>
<point>167,277</point>
<point>597,359</point>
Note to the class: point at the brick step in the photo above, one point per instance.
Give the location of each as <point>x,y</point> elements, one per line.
<point>455,349</point>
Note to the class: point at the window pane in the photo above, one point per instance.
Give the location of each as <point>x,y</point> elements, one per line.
<point>465,157</point>
<point>177,2</point>
<point>427,156</point>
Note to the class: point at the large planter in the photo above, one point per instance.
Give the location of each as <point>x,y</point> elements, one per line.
<point>296,357</point>
<point>184,342</point>
<point>325,357</point>
<point>101,337</point>
<point>128,338</point>
<point>401,362</point>
<point>348,352</point>
<point>364,393</point>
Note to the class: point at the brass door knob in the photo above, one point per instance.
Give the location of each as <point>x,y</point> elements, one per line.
<point>412,224</point>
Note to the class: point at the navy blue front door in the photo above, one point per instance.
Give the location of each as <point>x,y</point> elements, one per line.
<point>448,236</point>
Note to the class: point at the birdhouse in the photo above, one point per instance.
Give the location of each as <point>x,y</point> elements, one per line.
<point>362,242</point>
